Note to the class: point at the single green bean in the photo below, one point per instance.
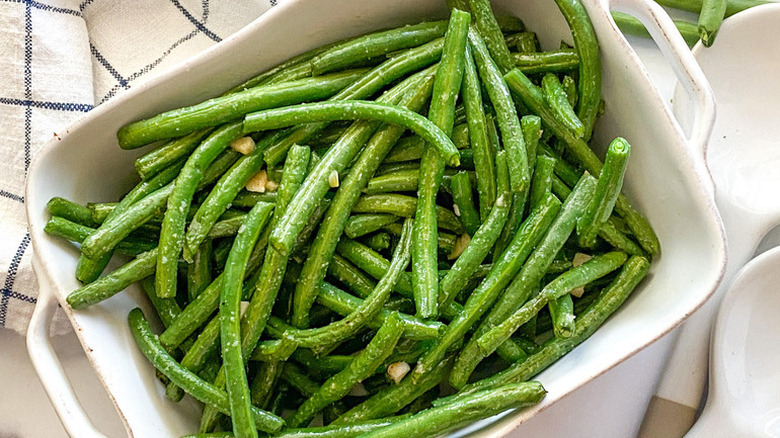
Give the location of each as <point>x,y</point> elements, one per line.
<point>632,26</point>
<point>462,198</point>
<point>352,277</point>
<point>223,109</point>
<point>377,241</point>
<point>362,224</point>
<point>404,206</point>
<point>71,211</point>
<point>608,187</point>
<point>153,162</point>
<point>361,367</point>
<point>491,33</point>
<point>249,199</point>
<point>465,410</point>
<point>57,226</point>
<point>275,350</point>
<point>559,102</point>
<point>553,61</point>
<point>524,42</point>
<point>199,271</point>
<point>151,348</point>
<point>562,314</point>
<point>587,47</point>
<point>109,285</point>
<point>196,357</point>
<point>264,383</point>
<point>542,181</point>
<point>531,273</point>
<point>710,18</point>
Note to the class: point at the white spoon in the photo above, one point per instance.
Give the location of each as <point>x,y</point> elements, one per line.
<point>744,393</point>
<point>743,69</point>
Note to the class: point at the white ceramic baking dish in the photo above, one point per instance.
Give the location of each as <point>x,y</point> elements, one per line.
<point>666,180</point>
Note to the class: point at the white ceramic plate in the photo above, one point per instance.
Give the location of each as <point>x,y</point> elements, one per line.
<point>663,180</point>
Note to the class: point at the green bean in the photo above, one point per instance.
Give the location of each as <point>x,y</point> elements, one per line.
<point>361,367</point>
<point>562,314</point>
<point>362,224</point>
<point>196,357</point>
<point>199,271</point>
<point>475,117</point>
<point>225,227</point>
<point>608,188</point>
<point>343,303</point>
<point>57,226</point>
<point>71,211</point>
<point>264,383</point>
<point>220,197</point>
<point>595,268</point>
<point>249,199</point>
<point>369,309</point>
<point>609,300</point>
<point>223,109</point>
<point>468,409</point>
<point>556,98</point>
<point>570,87</point>
<point>404,206</point>
<point>407,180</point>
<point>109,285</point>
<point>198,310</point>
<point>632,26</point>
<point>113,230</point>
<point>276,350</point>
<point>390,400</point>
<point>172,232</point>
<point>531,273</point>
<point>321,366</point>
<point>531,96</point>
<point>151,348</point>
<point>352,277</point>
<point>153,162</point>
<point>462,197</point>
<point>406,149</point>
<point>445,241</point>
<point>490,31</point>
<point>376,44</point>
<point>542,182</point>
<point>587,48</point>
<point>710,18</point>
<point>732,6</point>
<point>532,132</point>
<point>506,115</point>
<point>410,61</point>
<point>229,311</point>
<point>554,61</point>
<point>529,234</point>
<point>524,42</point>
<point>377,241</point>
<point>483,239</point>
<point>345,199</point>
<point>216,169</point>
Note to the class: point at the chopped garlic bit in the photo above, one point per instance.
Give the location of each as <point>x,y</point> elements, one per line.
<point>500,202</point>
<point>578,291</point>
<point>333,178</point>
<point>398,370</point>
<point>580,258</point>
<point>358,390</point>
<point>257,183</point>
<point>244,305</point>
<point>243,145</point>
<point>460,245</point>
<point>456,210</point>
<point>271,185</point>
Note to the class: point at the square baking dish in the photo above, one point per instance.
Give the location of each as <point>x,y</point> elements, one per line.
<point>666,180</point>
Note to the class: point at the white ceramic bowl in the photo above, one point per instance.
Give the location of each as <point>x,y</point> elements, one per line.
<point>664,181</point>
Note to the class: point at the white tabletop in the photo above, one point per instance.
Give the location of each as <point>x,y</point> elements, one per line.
<point>609,406</point>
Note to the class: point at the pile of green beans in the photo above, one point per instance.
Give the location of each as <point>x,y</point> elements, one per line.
<point>385,236</point>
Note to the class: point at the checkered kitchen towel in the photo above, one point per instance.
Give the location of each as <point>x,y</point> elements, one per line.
<point>59,59</point>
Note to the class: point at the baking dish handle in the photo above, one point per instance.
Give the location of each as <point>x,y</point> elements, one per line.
<point>676,52</point>
<point>48,367</point>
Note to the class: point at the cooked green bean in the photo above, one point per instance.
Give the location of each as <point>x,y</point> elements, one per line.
<point>71,211</point>
<point>531,273</point>
<point>524,42</point>
<point>587,47</point>
<point>172,232</point>
<point>199,271</point>
<point>345,199</point>
<point>480,144</point>
<point>553,61</point>
<point>506,116</point>
<point>57,226</point>
<point>531,96</point>
<point>570,87</point>
<point>196,357</point>
<point>352,277</point>
<point>446,241</point>
<point>491,33</point>
<point>376,44</point>
<point>153,162</point>
<point>482,240</point>
<point>249,199</point>
<point>192,384</point>
<point>393,398</point>
<point>556,98</point>
<point>608,188</point>
<point>264,383</point>
<point>595,268</point>
<point>230,321</point>
<point>463,198</point>
<point>275,350</point>
<point>710,18</point>
<point>361,367</point>
<point>362,224</point>
<point>223,109</point>
<point>407,180</point>
<point>404,206</point>
<point>609,300</point>
<point>562,314</point>
<point>377,241</point>
<point>344,304</point>
<point>532,133</point>
<point>530,232</point>
<point>632,26</point>
<point>110,284</point>
<point>476,406</point>
<point>542,182</point>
